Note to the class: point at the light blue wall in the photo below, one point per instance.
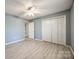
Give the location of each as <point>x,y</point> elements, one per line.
<point>38,25</point>
<point>37,29</point>
<point>72,26</point>
<point>14,28</point>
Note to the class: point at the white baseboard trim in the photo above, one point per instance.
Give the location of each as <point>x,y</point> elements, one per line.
<point>39,39</point>
<point>14,42</point>
<point>71,49</point>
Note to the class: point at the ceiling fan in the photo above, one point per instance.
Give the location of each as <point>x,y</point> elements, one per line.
<point>30,10</point>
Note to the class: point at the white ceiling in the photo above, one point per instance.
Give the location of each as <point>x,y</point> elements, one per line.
<point>44,7</point>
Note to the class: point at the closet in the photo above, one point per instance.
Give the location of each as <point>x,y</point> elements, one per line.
<point>54,30</point>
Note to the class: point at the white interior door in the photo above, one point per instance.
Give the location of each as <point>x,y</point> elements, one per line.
<point>31,30</point>
<point>46,30</point>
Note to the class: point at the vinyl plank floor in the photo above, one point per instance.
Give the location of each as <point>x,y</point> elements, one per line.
<point>33,49</point>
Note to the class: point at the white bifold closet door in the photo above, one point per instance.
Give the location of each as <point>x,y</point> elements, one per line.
<point>31,30</point>
<point>54,30</point>
<point>61,30</point>
<point>46,30</point>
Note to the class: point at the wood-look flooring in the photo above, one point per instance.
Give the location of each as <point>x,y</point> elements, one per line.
<point>32,49</point>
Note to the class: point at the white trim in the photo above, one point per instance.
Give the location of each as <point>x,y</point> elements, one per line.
<point>14,42</point>
<point>39,39</point>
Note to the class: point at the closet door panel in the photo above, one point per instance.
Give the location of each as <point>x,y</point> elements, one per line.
<point>54,30</point>
<point>46,30</point>
<point>62,31</point>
